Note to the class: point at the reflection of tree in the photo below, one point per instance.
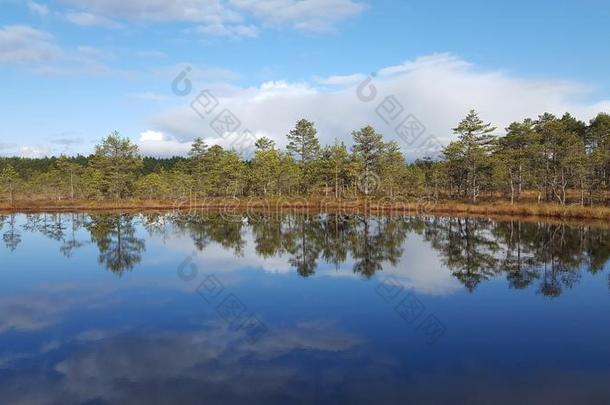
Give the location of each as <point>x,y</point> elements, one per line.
<point>156,224</point>
<point>57,227</point>
<point>336,239</point>
<point>50,225</point>
<point>553,254</point>
<point>364,244</point>
<point>548,257</point>
<point>71,243</point>
<point>331,237</point>
<point>514,263</point>
<point>467,248</point>
<point>270,236</point>
<point>306,243</point>
<point>12,237</point>
<point>375,240</point>
<point>206,228</point>
<point>115,236</point>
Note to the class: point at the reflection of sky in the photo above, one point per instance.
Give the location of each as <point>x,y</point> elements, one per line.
<point>423,273</point>
<point>70,331</point>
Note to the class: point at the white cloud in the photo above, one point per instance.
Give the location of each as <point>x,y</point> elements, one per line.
<point>339,80</point>
<point>149,96</point>
<point>151,136</point>
<point>154,143</point>
<point>34,152</point>
<point>229,31</point>
<point>438,89</point>
<point>199,11</point>
<point>89,20</point>
<point>217,17</point>
<point>24,45</point>
<point>310,15</point>
<point>21,44</point>
<point>38,8</point>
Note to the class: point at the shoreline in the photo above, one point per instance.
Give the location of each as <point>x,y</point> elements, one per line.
<point>492,210</point>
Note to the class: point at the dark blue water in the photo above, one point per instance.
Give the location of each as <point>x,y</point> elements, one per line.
<point>203,308</point>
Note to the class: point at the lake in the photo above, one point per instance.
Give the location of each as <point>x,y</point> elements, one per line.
<point>226,308</point>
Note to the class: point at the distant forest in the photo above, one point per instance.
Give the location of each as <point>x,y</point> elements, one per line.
<point>548,159</point>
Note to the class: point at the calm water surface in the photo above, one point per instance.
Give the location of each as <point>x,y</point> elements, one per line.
<point>203,308</point>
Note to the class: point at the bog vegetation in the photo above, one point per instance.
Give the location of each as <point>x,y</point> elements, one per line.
<point>548,159</point>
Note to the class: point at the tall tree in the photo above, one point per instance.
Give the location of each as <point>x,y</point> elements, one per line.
<point>197,163</point>
<point>118,161</point>
<point>9,179</point>
<point>368,148</point>
<point>303,141</point>
<point>476,141</point>
<point>304,145</point>
<point>512,155</point>
<point>334,166</point>
<point>265,169</point>
<point>393,168</point>
<point>71,171</point>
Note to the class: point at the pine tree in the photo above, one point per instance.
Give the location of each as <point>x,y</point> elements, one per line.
<point>197,169</point>
<point>70,171</point>
<point>303,142</point>
<point>264,143</point>
<point>118,161</point>
<point>9,179</point>
<point>476,139</point>
<point>368,148</point>
<point>305,147</point>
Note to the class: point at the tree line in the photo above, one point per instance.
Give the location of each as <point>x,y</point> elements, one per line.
<point>548,159</point>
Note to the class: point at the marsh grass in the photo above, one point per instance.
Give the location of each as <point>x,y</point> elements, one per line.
<point>293,204</point>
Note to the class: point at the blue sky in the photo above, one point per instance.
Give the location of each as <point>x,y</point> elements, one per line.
<point>72,71</point>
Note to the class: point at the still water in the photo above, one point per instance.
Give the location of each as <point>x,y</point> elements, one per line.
<point>203,308</point>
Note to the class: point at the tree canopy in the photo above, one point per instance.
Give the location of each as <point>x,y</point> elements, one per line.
<point>548,158</point>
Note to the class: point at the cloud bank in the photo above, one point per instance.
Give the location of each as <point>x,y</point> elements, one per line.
<point>437,89</point>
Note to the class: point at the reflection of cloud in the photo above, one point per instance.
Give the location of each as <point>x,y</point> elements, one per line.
<point>175,367</point>
<point>27,312</point>
<point>311,335</point>
<point>421,269</point>
<point>306,363</point>
<point>224,260</point>
<point>45,307</point>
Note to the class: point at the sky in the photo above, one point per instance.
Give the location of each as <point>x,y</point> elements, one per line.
<point>164,72</point>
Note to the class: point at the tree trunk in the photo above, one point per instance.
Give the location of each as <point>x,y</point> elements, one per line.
<point>520,182</point>
<point>474,190</point>
<point>336,185</point>
<point>71,185</point>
